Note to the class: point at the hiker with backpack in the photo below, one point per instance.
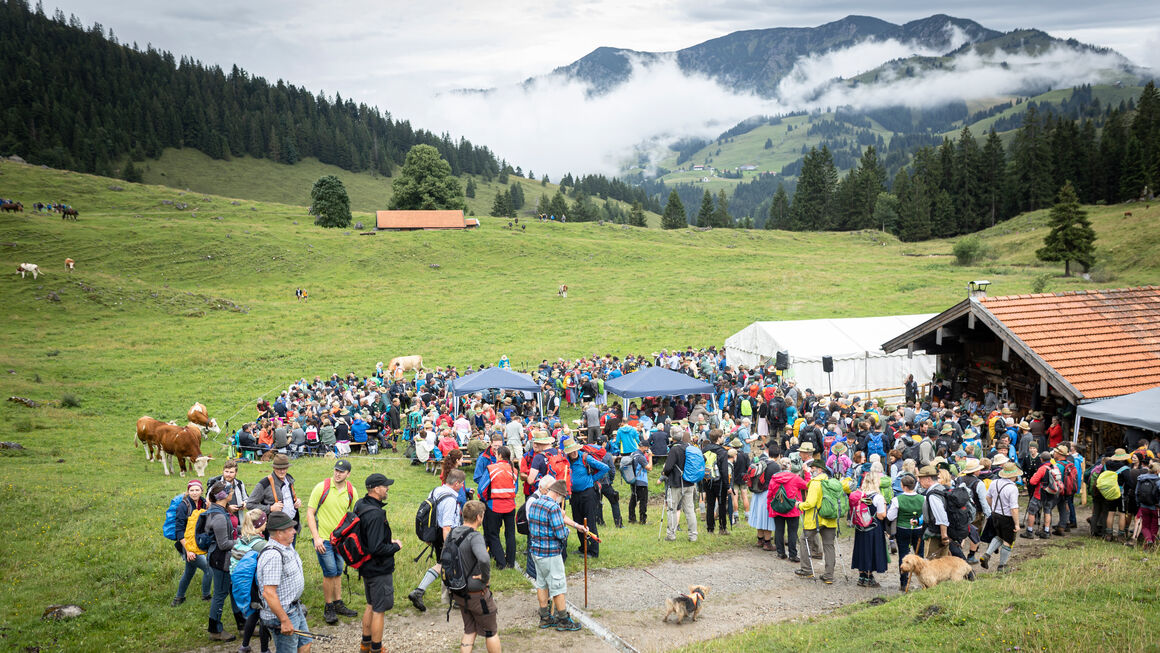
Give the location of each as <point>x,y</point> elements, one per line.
<point>376,565</point>
<point>684,469</point>
<point>1045,486</point>
<point>275,493</point>
<point>1148,500</point>
<point>446,508</point>
<point>279,575</point>
<point>219,535</point>
<point>783,490</point>
<point>328,504</point>
<point>717,484</point>
<point>634,469</point>
<point>467,576</point>
<point>249,539</point>
<point>497,488</point>
<point>1003,497</point>
<point>229,476</point>
<point>585,499</point>
<point>181,509</point>
<point>969,478</point>
<point>821,510</point>
<point>547,541</point>
<point>1069,473</point>
<point>868,509</point>
<point>941,506</point>
<point>905,511</point>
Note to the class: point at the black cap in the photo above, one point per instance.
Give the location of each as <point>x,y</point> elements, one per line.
<point>376,479</point>
<point>342,466</point>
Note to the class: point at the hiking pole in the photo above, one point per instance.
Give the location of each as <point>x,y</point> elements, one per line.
<point>586,564</point>
<point>318,636</point>
<point>809,555</point>
<point>665,511</point>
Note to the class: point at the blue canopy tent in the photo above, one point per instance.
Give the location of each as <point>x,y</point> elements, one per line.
<point>494,377</point>
<point>655,382</point>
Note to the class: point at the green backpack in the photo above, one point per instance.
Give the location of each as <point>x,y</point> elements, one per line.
<point>833,497</point>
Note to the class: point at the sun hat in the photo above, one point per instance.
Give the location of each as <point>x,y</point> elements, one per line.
<point>999,460</point>
<point>559,487</point>
<point>1061,450</point>
<point>542,437</point>
<point>947,428</point>
<point>1121,454</point>
<point>736,443</point>
<point>571,447</point>
<point>838,448</point>
<point>1024,425</point>
<point>927,471</point>
<point>976,421</point>
<point>1010,471</point>
<point>971,467</point>
<point>281,461</point>
<point>806,447</point>
<point>279,521</point>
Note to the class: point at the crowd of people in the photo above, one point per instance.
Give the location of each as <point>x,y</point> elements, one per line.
<point>933,476</point>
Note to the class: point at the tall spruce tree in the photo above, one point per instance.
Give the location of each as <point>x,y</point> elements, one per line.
<point>1146,130</point>
<point>501,206</point>
<point>705,215</point>
<point>913,207</point>
<point>779,209</point>
<point>636,216</point>
<point>1031,157</point>
<point>1071,237</point>
<point>674,215</point>
<point>815,192</point>
<point>967,191</point>
<point>721,217</point>
<point>993,180</point>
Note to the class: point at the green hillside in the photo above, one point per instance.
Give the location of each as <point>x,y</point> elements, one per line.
<point>170,306</point>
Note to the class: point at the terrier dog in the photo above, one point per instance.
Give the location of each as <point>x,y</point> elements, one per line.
<point>933,572</point>
<point>686,605</point>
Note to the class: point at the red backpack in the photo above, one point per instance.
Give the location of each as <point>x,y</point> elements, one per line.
<point>1070,478</point>
<point>596,452</point>
<point>860,512</point>
<point>560,469</point>
<point>347,541</point>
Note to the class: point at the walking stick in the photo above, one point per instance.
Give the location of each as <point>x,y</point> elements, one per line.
<point>664,512</point>
<point>585,565</point>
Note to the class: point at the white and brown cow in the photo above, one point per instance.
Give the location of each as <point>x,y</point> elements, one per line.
<point>28,268</point>
<point>149,432</point>
<point>404,363</point>
<point>183,444</point>
<point>200,416</point>
<point>69,265</point>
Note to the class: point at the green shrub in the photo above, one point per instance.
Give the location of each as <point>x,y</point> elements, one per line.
<point>1039,284</point>
<point>69,400</point>
<point>968,250</point>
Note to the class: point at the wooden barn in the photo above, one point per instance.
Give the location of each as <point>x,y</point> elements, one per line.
<point>414,220</point>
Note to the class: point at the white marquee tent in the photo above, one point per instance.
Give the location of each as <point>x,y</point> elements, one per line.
<point>855,344</point>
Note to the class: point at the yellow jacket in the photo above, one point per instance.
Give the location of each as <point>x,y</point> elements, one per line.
<point>813,501</point>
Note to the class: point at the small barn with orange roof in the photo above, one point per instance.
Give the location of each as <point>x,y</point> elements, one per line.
<point>413,220</point>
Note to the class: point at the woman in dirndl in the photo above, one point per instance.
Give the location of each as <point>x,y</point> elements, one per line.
<point>870,554</point>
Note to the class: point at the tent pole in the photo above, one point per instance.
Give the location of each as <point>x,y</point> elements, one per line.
<point>1075,433</point>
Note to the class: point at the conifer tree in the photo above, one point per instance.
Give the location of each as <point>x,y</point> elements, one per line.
<point>1071,237</point>
<point>705,215</point>
<point>779,210</point>
<point>636,216</point>
<point>721,217</point>
<point>674,216</point>
<point>501,207</point>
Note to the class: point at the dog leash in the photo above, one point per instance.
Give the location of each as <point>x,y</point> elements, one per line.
<point>661,581</point>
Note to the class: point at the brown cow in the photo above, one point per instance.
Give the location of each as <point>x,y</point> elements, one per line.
<point>148,432</point>
<point>404,363</point>
<point>200,416</point>
<point>183,444</point>
<point>69,265</point>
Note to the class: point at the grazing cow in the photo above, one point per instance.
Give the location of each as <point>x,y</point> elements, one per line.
<point>30,268</point>
<point>12,207</point>
<point>69,265</point>
<point>198,415</point>
<point>183,444</point>
<point>1127,214</point>
<point>69,213</point>
<point>404,363</point>
<point>149,432</point>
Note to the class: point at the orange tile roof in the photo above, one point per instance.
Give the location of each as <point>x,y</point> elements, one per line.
<point>444,219</point>
<point>1106,343</point>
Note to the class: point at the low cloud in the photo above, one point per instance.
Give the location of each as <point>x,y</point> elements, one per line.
<point>553,125</point>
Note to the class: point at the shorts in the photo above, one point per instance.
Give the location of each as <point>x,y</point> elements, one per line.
<point>1034,507</point>
<point>289,643</point>
<point>550,575</point>
<point>330,561</point>
<point>380,592</point>
<point>479,614</point>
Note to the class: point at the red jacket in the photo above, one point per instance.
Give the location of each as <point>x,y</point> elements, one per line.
<point>794,486</point>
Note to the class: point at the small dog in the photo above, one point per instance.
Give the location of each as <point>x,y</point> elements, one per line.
<point>933,572</point>
<point>686,605</point>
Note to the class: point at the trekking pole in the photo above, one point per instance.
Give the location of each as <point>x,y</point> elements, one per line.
<point>664,511</point>
<point>809,555</point>
<point>586,565</point>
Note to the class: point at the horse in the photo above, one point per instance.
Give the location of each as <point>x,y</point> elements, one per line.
<point>69,213</point>
<point>12,207</point>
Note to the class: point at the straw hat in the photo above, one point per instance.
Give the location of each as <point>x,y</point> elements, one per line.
<point>838,449</point>
<point>1061,451</point>
<point>947,428</point>
<point>736,443</point>
<point>1010,471</point>
<point>1024,425</point>
<point>972,466</point>
<point>927,471</point>
<point>1006,412</point>
<point>571,447</point>
<point>1121,454</point>
<point>542,437</point>
<point>976,421</point>
<point>999,460</point>
<point>808,447</point>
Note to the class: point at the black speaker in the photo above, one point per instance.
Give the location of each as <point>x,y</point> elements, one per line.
<point>782,360</point>
<point>827,364</point>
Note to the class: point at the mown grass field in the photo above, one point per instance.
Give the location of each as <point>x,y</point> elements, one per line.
<point>168,307</point>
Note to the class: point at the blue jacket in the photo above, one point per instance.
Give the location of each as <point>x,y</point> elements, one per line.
<point>627,439</point>
<point>358,431</point>
<point>582,478</point>
<point>486,458</point>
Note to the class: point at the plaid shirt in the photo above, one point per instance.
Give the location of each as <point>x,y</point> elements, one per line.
<point>547,534</point>
<point>283,570</point>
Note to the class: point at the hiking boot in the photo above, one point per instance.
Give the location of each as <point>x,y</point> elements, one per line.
<point>1057,531</point>
<point>816,556</point>
<point>803,573</point>
<point>781,556</point>
<point>670,538</point>
<point>794,559</point>
<point>328,614</point>
<point>416,597</point>
<point>766,546</point>
<point>862,582</point>
<point>724,531</point>
<point>1043,535</point>
<point>1027,535</point>
<point>176,601</point>
<point>983,560</point>
<point>207,597</point>
<point>223,636</point>
<point>620,523</point>
<point>972,560</point>
<point>1001,568</point>
<point>564,622</point>
<point>341,610</point>
<point>828,581</point>
<point>760,543</point>
<point>546,618</point>
<point>893,547</point>
<point>247,649</point>
<point>870,582</point>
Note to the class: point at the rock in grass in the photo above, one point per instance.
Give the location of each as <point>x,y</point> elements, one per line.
<point>11,445</point>
<point>62,611</point>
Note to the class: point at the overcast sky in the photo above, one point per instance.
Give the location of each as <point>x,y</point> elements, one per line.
<point>390,54</point>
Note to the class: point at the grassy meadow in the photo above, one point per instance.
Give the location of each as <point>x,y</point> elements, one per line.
<point>169,306</point>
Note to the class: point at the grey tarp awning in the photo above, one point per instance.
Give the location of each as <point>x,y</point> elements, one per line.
<point>1139,409</point>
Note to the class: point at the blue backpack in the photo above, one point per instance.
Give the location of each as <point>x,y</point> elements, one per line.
<point>169,528</point>
<point>247,595</point>
<point>694,469</point>
<point>874,446</point>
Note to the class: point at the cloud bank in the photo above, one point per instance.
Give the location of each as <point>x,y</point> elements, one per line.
<point>553,126</point>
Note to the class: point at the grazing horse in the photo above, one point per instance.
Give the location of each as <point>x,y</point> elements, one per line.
<point>30,268</point>
<point>12,207</point>
<point>70,212</point>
